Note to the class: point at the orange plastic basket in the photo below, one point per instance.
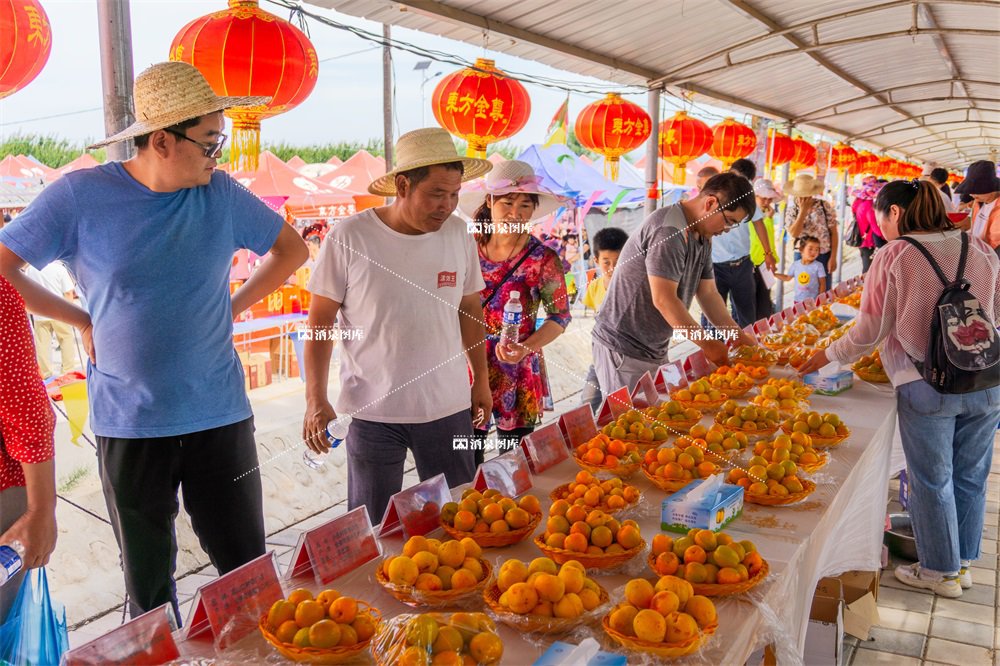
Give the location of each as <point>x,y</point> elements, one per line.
<point>436,598</point>
<point>782,500</point>
<point>606,561</point>
<point>539,624</point>
<point>495,540</point>
<point>664,650</point>
<point>721,590</point>
<point>335,655</point>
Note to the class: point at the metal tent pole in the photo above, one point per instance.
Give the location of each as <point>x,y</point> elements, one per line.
<point>652,152</point>
<point>114,26</point>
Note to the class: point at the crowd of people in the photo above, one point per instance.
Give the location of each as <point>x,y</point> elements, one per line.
<point>168,404</point>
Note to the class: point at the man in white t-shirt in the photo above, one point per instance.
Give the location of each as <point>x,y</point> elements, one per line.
<point>57,280</point>
<point>405,281</point>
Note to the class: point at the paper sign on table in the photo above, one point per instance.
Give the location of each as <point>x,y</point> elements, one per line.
<point>616,404</point>
<point>544,448</point>
<point>788,314</point>
<point>670,376</point>
<point>578,426</point>
<point>507,473</point>
<point>767,276</point>
<point>824,298</point>
<point>697,365</point>
<point>335,547</point>
<point>145,641</point>
<point>249,590</point>
<point>762,326</point>
<point>644,394</point>
<point>417,508</point>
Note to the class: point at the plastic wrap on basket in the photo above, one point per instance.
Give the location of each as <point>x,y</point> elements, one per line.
<point>425,594</point>
<point>414,637</point>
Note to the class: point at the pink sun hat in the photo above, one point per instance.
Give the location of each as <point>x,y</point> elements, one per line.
<point>512,176</point>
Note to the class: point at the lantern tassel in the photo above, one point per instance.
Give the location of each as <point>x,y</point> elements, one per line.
<point>612,165</point>
<point>244,150</point>
<point>680,173</point>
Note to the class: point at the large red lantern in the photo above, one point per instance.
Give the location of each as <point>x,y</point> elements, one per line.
<point>881,169</point>
<point>612,127</point>
<point>866,162</point>
<point>25,45</point>
<point>731,141</point>
<point>480,105</point>
<point>805,154</point>
<point>681,140</point>
<point>843,157</point>
<point>245,51</point>
<point>780,148</point>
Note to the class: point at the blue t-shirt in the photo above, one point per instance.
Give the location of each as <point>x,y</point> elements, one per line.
<point>735,243</point>
<point>154,268</point>
<point>806,278</point>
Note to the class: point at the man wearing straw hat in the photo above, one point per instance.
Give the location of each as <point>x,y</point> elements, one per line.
<point>150,242</point>
<point>407,276</point>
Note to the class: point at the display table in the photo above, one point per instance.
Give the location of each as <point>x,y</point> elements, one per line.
<point>838,528</point>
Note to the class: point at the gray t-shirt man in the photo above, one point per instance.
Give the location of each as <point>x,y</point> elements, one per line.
<point>630,335</point>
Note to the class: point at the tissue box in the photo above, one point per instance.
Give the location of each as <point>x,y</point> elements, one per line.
<point>558,652</point>
<point>831,385</point>
<point>679,515</point>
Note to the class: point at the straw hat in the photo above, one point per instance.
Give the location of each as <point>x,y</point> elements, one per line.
<point>169,93</point>
<point>506,178</point>
<point>426,147</point>
<point>804,185</point>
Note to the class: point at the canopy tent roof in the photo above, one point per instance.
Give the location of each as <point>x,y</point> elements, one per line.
<point>563,172</point>
<point>356,173</point>
<point>23,171</point>
<point>912,76</point>
<point>84,161</point>
<point>296,162</point>
<point>307,198</point>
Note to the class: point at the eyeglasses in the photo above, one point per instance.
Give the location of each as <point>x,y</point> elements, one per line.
<point>211,149</point>
<point>729,223</point>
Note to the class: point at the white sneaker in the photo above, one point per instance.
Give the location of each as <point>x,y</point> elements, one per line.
<point>916,576</point>
<point>964,575</point>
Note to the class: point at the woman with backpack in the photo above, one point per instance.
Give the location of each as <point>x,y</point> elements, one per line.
<point>941,352</point>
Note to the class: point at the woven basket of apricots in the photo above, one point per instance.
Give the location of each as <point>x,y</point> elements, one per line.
<point>754,356</point>
<point>753,421</point>
<point>609,495</point>
<point>715,564</point>
<point>758,373</point>
<point>543,596</point>
<point>718,441</point>
<point>610,456</point>
<point>490,519</point>
<point>438,638</point>
<point>326,629</point>
<point>731,382</point>
<point>869,368</point>
<point>670,417</point>
<point>700,395</point>
<point>666,619</point>
<point>786,388</point>
<point>435,574</point>
<point>810,334</point>
<point>778,340</point>
<point>822,318</point>
<point>834,335</point>
<point>591,537</point>
<point>823,429</point>
<point>771,484</point>
<point>670,468</point>
<point>852,299</point>
<point>796,447</point>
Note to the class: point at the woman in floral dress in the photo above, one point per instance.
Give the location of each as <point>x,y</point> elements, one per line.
<point>502,209</point>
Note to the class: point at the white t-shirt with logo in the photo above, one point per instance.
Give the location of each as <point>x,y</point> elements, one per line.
<point>401,294</point>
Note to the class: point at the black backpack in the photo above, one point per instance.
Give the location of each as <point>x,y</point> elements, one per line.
<point>963,351</point>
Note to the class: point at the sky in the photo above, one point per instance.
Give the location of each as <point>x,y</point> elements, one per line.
<point>346,104</point>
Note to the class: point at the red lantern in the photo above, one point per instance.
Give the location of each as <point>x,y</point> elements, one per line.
<point>843,157</point>
<point>866,162</point>
<point>245,51</point>
<point>882,168</point>
<point>731,141</point>
<point>780,148</point>
<point>612,127</point>
<point>480,105</point>
<point>805,154</point>
<point>681,140</point>
<point>25,47</point>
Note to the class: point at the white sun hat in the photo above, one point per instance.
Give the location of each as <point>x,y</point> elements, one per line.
<point>512,176</point>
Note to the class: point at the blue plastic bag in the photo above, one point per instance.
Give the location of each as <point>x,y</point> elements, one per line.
<point>35,631</point>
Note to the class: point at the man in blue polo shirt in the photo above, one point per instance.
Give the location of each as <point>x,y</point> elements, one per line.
<point>733,268</point>
<point>150,242</point>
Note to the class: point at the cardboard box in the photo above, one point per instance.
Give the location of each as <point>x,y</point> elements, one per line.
<point>559,652</point>
<point>825,631</point>
<point>258,370</point>
<point>712,513</point>
<point>831,385</point>
<point>859,591</point>
<point>284,346</point>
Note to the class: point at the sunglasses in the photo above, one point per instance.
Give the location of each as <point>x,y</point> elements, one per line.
<point>212,150</point>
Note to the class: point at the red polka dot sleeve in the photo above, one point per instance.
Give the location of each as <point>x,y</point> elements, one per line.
<point>27,422</point>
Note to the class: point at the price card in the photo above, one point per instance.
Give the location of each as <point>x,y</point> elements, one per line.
<point>145,641</point>
<point>697,365</point>
<point>335,548</point>
<point>824,298</point>
<point>762,326</point>
<point>614,405</point>
<point>507,473</point>
<point>249,590</point>
<point>578,426</point>
<point>417,508</point>
<point>841,290</point>
<point>645,394</point>
<point>670,376</point>
<point>788,314</point>
<point>544,448</point>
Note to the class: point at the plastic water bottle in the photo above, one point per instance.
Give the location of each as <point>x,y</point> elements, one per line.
<point>10,561</point>
<point>510,332</point>
<point>336,433</point>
